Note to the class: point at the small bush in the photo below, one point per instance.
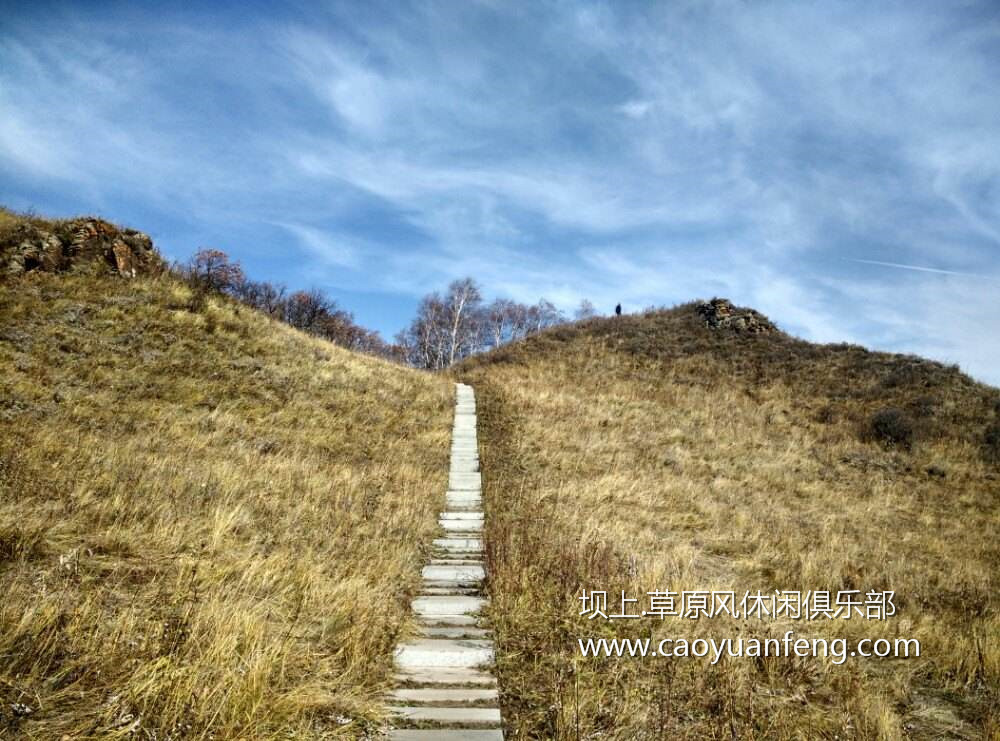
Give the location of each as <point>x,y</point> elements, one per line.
<point>891,427</point>
<point>991,443</point>
<point>826,415</point>
<point>923,406</point>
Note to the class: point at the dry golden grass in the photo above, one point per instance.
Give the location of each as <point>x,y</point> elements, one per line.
<point>210,525</point>
<point>654,453</point>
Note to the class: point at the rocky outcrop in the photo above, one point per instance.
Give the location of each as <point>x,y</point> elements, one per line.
<point>719,313</point>
<point>61,245</point>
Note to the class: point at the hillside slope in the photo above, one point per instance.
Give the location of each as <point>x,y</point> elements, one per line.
<point>210,524</point>
<point>701,449</point>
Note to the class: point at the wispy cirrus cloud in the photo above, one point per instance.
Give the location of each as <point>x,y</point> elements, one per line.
<point>827,163</point>
<point>921,269</point>
<point>326,247</point>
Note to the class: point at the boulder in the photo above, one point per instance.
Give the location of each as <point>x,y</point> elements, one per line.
<point>63,245</point>
<point>719,313</point>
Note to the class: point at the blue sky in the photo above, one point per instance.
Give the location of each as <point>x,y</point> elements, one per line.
<point>834,165</point>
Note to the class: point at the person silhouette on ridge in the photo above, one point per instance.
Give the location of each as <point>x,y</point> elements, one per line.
<point>618,310</point>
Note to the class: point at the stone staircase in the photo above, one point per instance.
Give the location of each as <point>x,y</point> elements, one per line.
<point>445,691</point>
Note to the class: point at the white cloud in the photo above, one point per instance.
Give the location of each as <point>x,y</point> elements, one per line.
<point>328,248</point>
<point>646,155</point>
<point>635,108</point>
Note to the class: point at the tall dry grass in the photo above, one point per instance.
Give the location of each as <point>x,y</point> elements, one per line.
<point>210,525</point>
<point>654,453</point>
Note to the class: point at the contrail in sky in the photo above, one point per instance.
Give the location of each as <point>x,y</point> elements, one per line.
<point>920,268</point>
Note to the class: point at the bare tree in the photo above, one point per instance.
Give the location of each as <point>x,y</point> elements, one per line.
<point>263,296</point>
<point>449,328</point>
<point>542,315</point>
<point>585,310</point>
<point>462,304</point>
<point>213,269</point>
<point>520,320</point>
<point>498,321</point>
<point>305,309</point>
<point>446,328</point>
<point>339,327</point>
<point>311,311</point>
<point>425,339</point>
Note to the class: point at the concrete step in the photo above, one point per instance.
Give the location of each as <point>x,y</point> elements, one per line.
<point>456,632</point>
<point>468,554</point>
<point>468,526</point>
<point>465,487</point>
<point>461,515</point>
<point>456,504</point>
<point>445,734</point>
<point>459,544</point>
<point>466,506</point>
<point>455,562</point>
<point>444,552</point>
<point>448,621</point>
<point>437,676</point>
<point>469,584</point>
<point>460,573</point>
<point>463,555</point>
<point>449,652</point>
<point>430,590</point>
<point>451,716</point>
<point>435,695</point>
<point>454,605</point>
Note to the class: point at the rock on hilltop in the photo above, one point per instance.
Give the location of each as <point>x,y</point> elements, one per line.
<point>720,313</point>
<point>34,244</point>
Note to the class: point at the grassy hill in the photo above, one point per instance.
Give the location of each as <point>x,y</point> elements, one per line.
<point>656,452</point>
<point>210,523</point>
